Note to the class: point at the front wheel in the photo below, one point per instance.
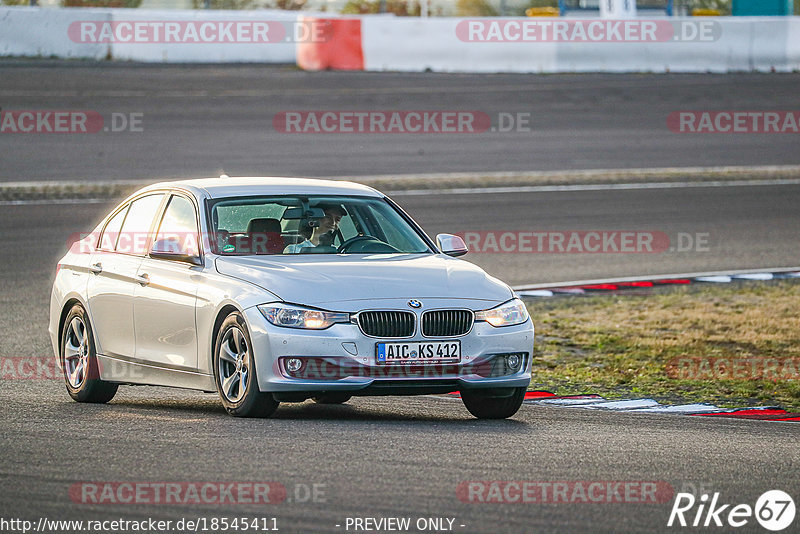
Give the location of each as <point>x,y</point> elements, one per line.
<point>235,371</point>
<point>488,405</point>
<point>79,360</point>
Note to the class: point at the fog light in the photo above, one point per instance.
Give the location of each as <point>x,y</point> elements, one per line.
<point>513,361</point>
<point>294,364</point>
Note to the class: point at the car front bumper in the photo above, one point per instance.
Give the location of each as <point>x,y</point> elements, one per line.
<point>342,359</point>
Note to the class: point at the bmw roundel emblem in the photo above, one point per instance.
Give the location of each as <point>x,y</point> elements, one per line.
<point>414,303</point>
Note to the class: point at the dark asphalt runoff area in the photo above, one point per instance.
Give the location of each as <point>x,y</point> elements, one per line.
<point>391,457</point>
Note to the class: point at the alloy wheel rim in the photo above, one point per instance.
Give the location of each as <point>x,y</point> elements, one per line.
<point>234,364</point>
<point>76,353</point>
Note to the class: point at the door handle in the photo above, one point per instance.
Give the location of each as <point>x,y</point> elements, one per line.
<point>143,279</point>
<point>96,268</point>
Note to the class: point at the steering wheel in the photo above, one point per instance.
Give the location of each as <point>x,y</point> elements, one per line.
<point>344,247</point>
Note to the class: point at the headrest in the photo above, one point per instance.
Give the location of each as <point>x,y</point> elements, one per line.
<point>264,226</point>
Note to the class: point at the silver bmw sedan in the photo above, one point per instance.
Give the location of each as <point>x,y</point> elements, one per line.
<point>270,290</point>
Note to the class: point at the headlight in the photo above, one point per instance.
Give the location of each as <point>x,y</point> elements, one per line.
<point>508,314</point>
<point>297,317</point>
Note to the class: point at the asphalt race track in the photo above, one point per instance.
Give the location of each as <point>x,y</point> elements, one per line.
<point>391,457</point>
<point>397,457</point>
<point>199,120</point>
<point>394,457</point>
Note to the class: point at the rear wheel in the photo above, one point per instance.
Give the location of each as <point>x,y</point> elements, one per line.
<point>492,404</point>
<point>79,360</point>
<point>332,398</point>
<point>235,371</point>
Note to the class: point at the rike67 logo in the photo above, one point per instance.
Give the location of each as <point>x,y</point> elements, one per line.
<point>774,510</point>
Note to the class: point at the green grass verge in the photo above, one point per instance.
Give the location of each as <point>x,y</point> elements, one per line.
<point>623,345</point>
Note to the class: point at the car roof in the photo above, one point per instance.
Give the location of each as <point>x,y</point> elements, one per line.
<point>266,185</point>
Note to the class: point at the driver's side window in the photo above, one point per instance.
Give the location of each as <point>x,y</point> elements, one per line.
<point>178,232</point>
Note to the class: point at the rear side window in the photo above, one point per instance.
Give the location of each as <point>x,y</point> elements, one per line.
<point>108,240</point>
<point>134,235</point>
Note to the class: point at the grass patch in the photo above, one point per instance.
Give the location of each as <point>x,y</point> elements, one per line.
<point>621,345</point>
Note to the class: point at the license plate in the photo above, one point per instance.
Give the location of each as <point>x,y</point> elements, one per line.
<point>418,352</point>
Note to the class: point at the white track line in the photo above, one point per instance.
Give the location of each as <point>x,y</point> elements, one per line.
<point>594,187</point>
<point>486,190</point>
<point>724,173</point>
<point>51,201</point>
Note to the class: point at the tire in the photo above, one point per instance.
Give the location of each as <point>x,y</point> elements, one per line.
<point>332,398</point>
<point>485,405</point>
<point>235,371</point>
<point>79,360</point>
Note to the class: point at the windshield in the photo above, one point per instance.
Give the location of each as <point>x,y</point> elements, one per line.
<point>311,225</point>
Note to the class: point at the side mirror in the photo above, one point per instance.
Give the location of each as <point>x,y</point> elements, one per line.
<point>452,245</point>
<point>177,256</point>
<point>170,249</point>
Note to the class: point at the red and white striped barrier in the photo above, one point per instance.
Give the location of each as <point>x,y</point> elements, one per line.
<point>443,44</point>
<point>623,284</point>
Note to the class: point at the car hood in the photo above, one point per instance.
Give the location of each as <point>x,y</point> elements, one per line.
<point>317,279</point>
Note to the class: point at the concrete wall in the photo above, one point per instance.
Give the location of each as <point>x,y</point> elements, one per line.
<point>51,32</point>
<point>760,44</point>
<point>383,42</point>
<point>33,31</point>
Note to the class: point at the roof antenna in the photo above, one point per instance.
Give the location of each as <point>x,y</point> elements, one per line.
<point>224,174</point>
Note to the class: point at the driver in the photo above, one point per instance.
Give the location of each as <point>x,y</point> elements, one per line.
<point>327,226</point>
